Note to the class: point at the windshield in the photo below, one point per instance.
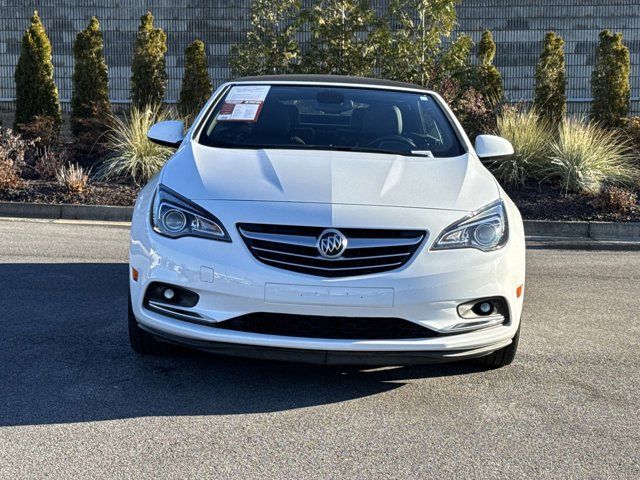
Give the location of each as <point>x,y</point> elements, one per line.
<point>330,118</point>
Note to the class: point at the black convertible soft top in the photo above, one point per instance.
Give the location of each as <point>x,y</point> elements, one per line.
<point>330,79</point>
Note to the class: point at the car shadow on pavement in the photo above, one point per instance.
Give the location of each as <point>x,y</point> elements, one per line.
<point>65,357</point>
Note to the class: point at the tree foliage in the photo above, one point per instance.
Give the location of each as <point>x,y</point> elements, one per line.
<point>36,92</point>
<point>610,80</point>
<point>148,70</point>
<point>341,38</point>
<point>415,32</point>
<point>90,105</point>
<point>271,46</point>
<point>489,80</point>
<point>550,82</point>
<point>196,84</point>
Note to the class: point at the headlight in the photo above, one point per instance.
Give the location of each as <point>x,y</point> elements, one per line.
<point>174,216</point>
<point>486,229</point>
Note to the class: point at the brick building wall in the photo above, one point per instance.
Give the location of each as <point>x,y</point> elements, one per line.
<point>518,30</point>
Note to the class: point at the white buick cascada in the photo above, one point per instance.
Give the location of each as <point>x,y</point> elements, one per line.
<point>327,219</point>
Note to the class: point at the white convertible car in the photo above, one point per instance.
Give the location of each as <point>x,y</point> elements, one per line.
<point>327,219</point>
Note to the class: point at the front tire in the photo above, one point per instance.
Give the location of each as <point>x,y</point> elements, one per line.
<point>141,341</point>
<point>503,357</point>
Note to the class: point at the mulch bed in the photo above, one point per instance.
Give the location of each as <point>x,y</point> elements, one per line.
<point>41,191</point>
<point>546,202</point>
<point>536,201</point>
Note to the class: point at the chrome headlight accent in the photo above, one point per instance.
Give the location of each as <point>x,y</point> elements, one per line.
<point>485,229</point>
<point>174,216</point>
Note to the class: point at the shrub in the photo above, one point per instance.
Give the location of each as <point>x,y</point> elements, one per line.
<point>618,199</point>
<point>90,106</point>
<point>411,43</point>
<point>340,43</point>
<point>271,46</point>
<point>489,81</point>
<point>586,157</point>
<point>48,161</point>
<point>469,106</point>
<point>455,62</point>
<point>134,156</point>
<point>12,158</point>
<point>148,72</point>
<point>196,85</point>
<point>550,83</point>
<point>529,134</point>
<point>36,92</point>
<point>610,80</point>
<point>73,178</point>
<point>632,133</point>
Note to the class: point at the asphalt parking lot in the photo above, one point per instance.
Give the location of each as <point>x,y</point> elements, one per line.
<point>76,402</point>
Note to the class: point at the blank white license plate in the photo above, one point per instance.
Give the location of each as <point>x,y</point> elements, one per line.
<point>322,295</point>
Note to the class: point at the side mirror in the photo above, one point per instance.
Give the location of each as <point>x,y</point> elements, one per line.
<point>168,133</point>
<point>490,146</point>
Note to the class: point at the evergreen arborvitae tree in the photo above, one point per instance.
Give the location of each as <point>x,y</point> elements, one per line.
<point>550,99</point>
<point>90,105</point>
<point>196,85</point>
<point>36,92</point>
<point>148,72</point>
<point>271,46</point>
<point>340,38</point>
<point>489,78</point>
<point>610,80</point>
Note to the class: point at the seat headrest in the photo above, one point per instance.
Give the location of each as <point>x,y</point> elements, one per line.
<point>273,120</point>
<point>382,120</point>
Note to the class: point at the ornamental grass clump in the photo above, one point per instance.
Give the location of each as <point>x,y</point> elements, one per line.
<point>73,178</point>
<point>530,136</point>
<point>585,157</point>
<point>134,157</point>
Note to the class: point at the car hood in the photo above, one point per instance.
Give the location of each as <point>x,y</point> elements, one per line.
<point>330,177</point>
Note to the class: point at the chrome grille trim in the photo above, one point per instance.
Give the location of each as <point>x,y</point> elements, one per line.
<point>340,259</point>
<point>295,248</point>
<point>305,241</point>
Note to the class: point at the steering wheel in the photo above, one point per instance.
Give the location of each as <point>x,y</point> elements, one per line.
<point>392,138</point>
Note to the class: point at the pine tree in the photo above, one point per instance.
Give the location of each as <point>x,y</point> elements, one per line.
<point>340,38</point>
<point>196,85</point>
<point>90,106</point>
<point>489,79</point>
<point>610,80</point>
<point>148,72</point>
<point>550,84</point>
<point>36,92</point>
<point>271,46</point>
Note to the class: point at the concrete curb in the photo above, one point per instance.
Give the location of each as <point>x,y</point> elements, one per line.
<point>601,231</point>
<point>66,212</point>
<point>549,231</point>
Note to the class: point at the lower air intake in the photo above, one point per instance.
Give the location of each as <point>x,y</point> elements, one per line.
<point>336,328</point>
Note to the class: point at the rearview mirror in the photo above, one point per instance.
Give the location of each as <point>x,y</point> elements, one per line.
<point>491,147</point>
<point>168,133</point>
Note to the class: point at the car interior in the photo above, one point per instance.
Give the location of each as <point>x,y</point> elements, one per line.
<point>340,118</point>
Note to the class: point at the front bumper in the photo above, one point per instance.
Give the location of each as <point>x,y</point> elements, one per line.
<point>232,283</point>
<point>329,357</point>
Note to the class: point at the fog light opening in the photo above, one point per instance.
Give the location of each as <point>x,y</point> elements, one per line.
<point>168,294</point>
<point>483,309</point>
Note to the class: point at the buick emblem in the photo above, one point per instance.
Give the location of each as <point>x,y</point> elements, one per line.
<point>331,243</point>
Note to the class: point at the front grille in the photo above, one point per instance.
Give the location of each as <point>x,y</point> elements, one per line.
<point>294,248</point>
<point>312,326</point>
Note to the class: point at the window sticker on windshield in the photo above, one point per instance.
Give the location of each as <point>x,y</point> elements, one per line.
<point>243,103</point>
<point>240,112</point>
<point>248,93</point>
